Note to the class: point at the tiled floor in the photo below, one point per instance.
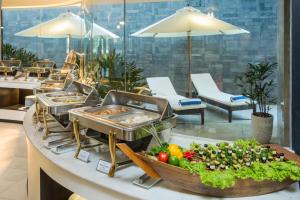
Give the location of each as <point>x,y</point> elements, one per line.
<point>217,127</point>
<point>13,162</point>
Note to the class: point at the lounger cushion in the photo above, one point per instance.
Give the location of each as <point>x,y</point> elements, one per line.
<point>205,84</point>
<point>207,88</point>
<point>161,86</point>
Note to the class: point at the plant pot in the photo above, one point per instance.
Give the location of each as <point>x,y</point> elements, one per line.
<point>262,128</point>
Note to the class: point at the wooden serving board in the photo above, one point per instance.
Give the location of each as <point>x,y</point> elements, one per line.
<point>181,178</point>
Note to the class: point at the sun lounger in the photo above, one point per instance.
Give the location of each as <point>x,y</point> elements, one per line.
<point>162,87</point>
<point>209,92</point>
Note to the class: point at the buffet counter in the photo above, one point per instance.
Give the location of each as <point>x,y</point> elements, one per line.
<point>12,96</point>
<point>83,178</point>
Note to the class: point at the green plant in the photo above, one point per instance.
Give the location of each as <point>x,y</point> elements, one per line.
<point>133,77</point>
<point>109,62</point>
<point>257,83</point>
<point>11,52</point>
<point>115,64</point>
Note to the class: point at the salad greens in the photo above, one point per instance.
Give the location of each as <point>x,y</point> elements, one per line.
<point>157,149</point>
<point>275,171</point>
<point>221,165</point>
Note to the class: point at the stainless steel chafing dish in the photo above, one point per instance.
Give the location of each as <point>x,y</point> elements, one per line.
<point>125,117</point>
<point>39,68</point>
<point>9,66</point>
<point>50,85</point>
<point>58,76</point>
<point>57,104</point>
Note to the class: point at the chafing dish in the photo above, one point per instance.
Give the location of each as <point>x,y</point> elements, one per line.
<point>39,68</point>
<point>57,104</point>
<point>125,117</point>
<point>9,66</point>
<point>58,76</point>
<point>50,85</point>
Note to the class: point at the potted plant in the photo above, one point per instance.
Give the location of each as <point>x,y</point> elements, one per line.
<point>257,83</point>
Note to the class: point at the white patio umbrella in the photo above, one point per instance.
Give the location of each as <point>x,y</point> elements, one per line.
<point>66,25</point>
<point>17,4</point>
<point>23,4</point>
<point>187,22</point>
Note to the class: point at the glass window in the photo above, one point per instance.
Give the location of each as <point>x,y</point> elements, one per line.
<point>52,48</point>
<point>118,56</point>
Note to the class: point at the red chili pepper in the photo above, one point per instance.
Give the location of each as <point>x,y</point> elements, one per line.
<point>189,155</point>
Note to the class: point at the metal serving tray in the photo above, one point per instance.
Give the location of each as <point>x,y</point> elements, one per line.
<point>58,76</point>
<point>125,119</point>
<point>41,70</point>
<point>9,66</point>
<point>15,64</point>
<point>124,116</point>
<point>76,95</point>
<point>6,69</point>
<point>50,85</point>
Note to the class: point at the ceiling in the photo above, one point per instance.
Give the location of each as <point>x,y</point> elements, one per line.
<point>18,4</point>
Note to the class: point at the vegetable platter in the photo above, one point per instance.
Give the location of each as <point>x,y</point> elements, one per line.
<point>245,168</point>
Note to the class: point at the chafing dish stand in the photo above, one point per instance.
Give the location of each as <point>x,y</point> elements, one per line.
<point>124,117</point>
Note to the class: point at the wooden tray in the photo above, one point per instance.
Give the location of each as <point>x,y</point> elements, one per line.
<point>181,178</point>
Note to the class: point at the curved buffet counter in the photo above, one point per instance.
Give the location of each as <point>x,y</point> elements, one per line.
<point>83,179</point>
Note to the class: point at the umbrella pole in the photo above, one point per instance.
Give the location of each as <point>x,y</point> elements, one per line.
<point>68,44</point>
<point>189,67</point>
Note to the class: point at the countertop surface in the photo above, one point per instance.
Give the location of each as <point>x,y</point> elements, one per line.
<point>30,83</point>
<point>122,182</point>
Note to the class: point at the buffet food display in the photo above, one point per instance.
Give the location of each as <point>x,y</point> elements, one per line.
<point>56,104</point>
<point>39,67</point>
<point>245,168</point>
<point>54,85</point>
<point>9,66</point>
<point>124,117</point>
<point>130,121</point>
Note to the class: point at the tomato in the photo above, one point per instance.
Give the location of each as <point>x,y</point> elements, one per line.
<point>163,157</point>
<point>173,160</point>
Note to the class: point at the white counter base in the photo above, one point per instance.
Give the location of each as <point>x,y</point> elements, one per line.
<point>83,179</point>
<point>21,83</point>
<point>12,115</point>
<point>29,84</point>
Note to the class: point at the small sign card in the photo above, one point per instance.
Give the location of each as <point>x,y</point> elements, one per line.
<point>84,156</point>
<point>43,131</point>
<point>39,126</point>
<point>103,166</point>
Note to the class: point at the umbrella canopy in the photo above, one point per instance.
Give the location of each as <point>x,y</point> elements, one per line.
<point>63,26</point>
<point>23,4</point>
<point>15,4</point>
<point>66,25</point>
<point>187,22</point>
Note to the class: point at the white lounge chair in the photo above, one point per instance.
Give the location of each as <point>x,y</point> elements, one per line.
<point>162,87</point>
<point>209,92</point>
